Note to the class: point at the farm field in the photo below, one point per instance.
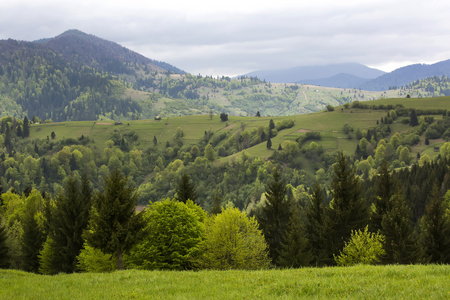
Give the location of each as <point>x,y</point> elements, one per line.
<point>362,282</point>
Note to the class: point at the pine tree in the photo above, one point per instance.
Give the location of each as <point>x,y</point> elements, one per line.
<point>397,228</point>
<point>4,257</point>
<point>348,210</point>
<point>67,219</point>
<point>383,192</point>
<point>294,249</point>
<point>155,140</point>
<point>269,144</point>
<point>33,236</point>
<point>275,214</point>
<point>271,124</point>
<point>217,200</point>
<point>26,127</point>
<point>413,121</point>
<point>114,225</point>
<point>186,189</point>
<point>315,227</point>
<point>436,235</point>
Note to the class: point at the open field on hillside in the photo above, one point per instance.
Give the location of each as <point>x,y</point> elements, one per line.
<point>362,282</point>
<point>329,124</point>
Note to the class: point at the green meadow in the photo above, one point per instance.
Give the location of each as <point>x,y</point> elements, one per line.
<point>360,282</point>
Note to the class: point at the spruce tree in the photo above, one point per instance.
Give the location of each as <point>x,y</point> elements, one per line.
<point>397,228</point>
<point>186,189</point>
<point>384,188</point>
<point>217,200</point>
<point>315,227</point>
<point>67,219</point>
<point>413,121</point>
<point>4,257</point>
<point>269,144</point>
<point>436,235</point>
<point>294,249</point>
<point>275,214</point>
<point>114,225</point>
<point>26,127</point>
<point>348,210</point>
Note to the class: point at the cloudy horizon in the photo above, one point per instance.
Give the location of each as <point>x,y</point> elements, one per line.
<point>238,37</point>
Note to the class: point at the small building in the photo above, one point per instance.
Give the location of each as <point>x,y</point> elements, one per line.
<point>158,118</point>
<point>436,149</point>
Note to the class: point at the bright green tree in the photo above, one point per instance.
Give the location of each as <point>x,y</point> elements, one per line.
<point>172,237</point>
<point>364,247</point>
<point>275,214</point>
<point>114,225</point>
<point>91,259</point>
<point>209,152</point>
<point>233,241</point>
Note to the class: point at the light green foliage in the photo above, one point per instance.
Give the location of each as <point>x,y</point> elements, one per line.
<point>424,159</point>
<point>209,152</point>
<point>233,241</point>
<point>172,237</point>
<point>94,260</point>
<point>364,247</point>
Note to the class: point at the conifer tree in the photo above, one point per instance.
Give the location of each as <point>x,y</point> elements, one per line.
<point>217,199</point>
<point>294,249</point>
<point>384,188</point>
<point>348,209</point>
<point>315,227</point>
<point>26,127</point>
<point>436,235</point>
<point>186,189</point>
<point>269,144</point>
<point>413,121</point>
<point>114,225</point>
<point>275,214</point>
<point>67,219</point>
<point>4,257</point>
<point>397,228</point>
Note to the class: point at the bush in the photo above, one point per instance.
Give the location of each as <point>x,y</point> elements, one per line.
<point>364,247</point>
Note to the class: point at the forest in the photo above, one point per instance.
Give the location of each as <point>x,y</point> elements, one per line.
<point>251,196</point>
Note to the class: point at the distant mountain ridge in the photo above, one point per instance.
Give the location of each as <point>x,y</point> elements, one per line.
<point>309,73</point>
<point>355,76</point>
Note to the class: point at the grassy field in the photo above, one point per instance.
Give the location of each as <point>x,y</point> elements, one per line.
<point>329,124</point>
<point>362,282</point>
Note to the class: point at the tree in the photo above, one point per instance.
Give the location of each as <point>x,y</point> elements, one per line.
<point>330,107</point>
<point>364,247</point>
<point>397,228</point>
<point>275,214</point>
<point>114,225</point>
<point>155,140</point>
<point>269,144</point>
<point>217,200</point>
<point>53,135</point>
<point>171,238</point>
<point>436,234</point>
<point>186,189</point>
<point>224,117</point>
<point>209,152</point>
<point>413,121</point>
<point>348,208</point>
<point>315,227</point>
<point>384,188</point>
<point>33,235</point>
<point>67,218</point>
<point>211,114</point>
<point>233,241</point>
<point>294,250</point>
<point>258,114</point>
<point>26,127</point>
<point>271,124</point>
<point>4,256</point>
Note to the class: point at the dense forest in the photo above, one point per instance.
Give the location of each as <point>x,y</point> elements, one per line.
<point>304,202</point>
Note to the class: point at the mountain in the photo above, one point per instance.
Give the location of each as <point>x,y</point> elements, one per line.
<point>406,75</point>
<point>85,49</point>
<point>308,73</point>
<point>341,80</point>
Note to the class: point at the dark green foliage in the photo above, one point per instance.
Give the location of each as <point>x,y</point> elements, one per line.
<point>397,228</point>
<point>271,124</point>
<point>186,189</point>
<point>435,238</point>
<point>349,210</point>
<point>217,202</point>
<point>224,117</point>
<point>53,135</point>
<point>269,144</point>
<point>26,127</point>
<point>315,227</point>
<point>114,225</point>
<point>294,249</point>
<point>4,257</point>
<point>413,121</point>
<point>384,188</point>
<point>275,214</point>
<point>67,219</point>
<point>258,114</point>
<point>33,236</point>
<point>155,140</point>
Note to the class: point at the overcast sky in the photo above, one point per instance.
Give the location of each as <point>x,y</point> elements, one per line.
<point>238,36</point>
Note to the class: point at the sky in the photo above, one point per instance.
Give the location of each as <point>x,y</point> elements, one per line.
<point>235,37</point>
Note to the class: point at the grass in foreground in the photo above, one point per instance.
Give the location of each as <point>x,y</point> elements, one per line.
<point>367,282</point>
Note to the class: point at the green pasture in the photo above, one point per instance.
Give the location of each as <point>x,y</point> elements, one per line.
<point>358,282</point>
